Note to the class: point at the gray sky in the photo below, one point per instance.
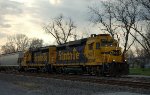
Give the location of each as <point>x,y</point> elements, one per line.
<point>28,16</point>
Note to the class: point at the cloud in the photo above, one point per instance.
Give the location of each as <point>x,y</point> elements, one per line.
<point>29,16</point>
<point>2,35</point>
<point>8,8</point>
<point>44,10</point>
<point>5,25</point>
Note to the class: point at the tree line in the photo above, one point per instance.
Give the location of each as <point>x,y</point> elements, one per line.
<point>20,42</point>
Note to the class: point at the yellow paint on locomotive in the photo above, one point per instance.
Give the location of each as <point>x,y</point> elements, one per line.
<point>52,55</point>
<point>40,59</point>
<point>96,51</point>
<point>99,53</point>
<point>26,59</point>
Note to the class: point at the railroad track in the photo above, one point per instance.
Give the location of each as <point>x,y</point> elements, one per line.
<point>93,79</point>
<point>133,84</point>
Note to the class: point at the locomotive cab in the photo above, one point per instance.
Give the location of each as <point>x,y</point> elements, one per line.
<point>102,50</point>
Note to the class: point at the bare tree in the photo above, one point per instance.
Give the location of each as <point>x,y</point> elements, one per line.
<point>144,33</point>
<point>145,12</point>
<point>61,29</point>
<point>126,13</point>
<point>130,55</point>
<point>21,42</point>
<point>104,18</point>
<point>8,48</point>
<point>119,14</point>
<point>146,41</point>
<point>148,35</point>
<point>36,43</point>
<point>134,13</point>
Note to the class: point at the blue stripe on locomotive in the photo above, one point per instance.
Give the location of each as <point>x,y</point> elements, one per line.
<point>71,55</point>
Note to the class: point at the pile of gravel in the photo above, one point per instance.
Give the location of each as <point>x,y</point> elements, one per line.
<point>50,86</point>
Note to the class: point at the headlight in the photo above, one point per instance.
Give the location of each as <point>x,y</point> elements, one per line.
<point>125,60</point>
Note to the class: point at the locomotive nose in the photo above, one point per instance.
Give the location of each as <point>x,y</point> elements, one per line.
<point>112,54</point>
<point>111,51</point>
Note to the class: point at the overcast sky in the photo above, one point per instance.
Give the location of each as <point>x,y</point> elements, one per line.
<point>29,16</point>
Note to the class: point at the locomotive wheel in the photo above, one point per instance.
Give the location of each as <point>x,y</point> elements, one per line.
<point>88,70</point>
<point>84,70</point>
<point>21,69</point>
<point>59,70</point>
<point>99,71</point>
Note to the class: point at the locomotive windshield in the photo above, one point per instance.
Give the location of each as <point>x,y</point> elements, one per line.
<point>105,42</point>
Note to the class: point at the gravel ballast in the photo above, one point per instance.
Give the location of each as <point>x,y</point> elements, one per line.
<point>28,85</point>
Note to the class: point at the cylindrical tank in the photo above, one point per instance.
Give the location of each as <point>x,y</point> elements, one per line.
<point>11,59</point>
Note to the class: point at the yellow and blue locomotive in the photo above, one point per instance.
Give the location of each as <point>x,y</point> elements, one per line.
<point>98,54</point>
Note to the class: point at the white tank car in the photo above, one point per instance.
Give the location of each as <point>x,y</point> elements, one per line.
<point>11,60</point>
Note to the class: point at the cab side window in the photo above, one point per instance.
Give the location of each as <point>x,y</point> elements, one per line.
<point>97,45</point>
<point>103,42</point>
<point>91,46</point>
